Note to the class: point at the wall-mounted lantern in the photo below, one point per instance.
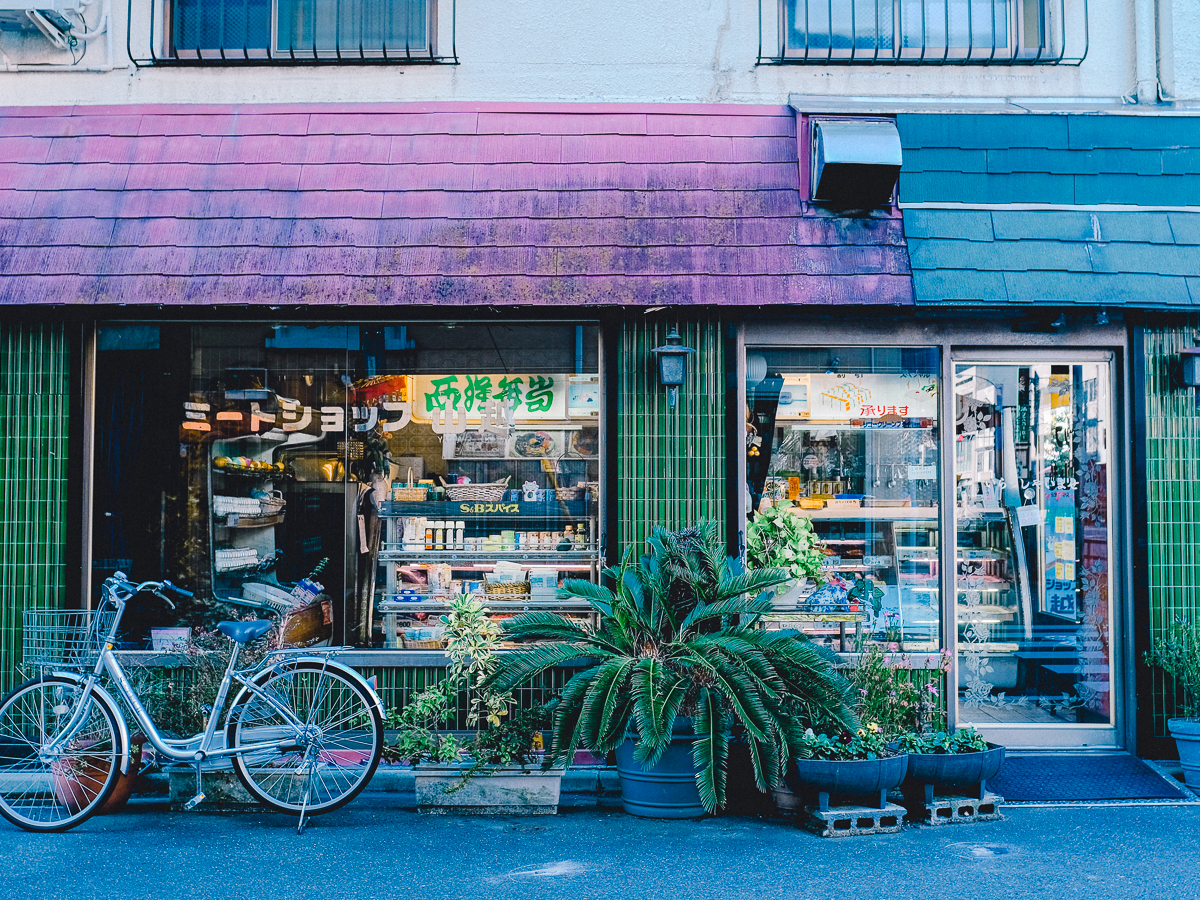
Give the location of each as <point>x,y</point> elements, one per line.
<point>1189,366</point>
<point>672,364</point>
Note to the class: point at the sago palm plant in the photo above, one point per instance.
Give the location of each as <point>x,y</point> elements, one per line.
<point>679,636</point>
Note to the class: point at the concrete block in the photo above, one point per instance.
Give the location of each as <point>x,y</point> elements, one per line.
<point>851,821</point>
<point>222,790</point>
<point>952,810</point>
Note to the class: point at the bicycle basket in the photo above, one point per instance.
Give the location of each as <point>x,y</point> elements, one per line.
<point>69,638</point>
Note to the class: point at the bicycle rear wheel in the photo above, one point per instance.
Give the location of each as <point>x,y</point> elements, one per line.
<point>321,764</point>
<point>53,790</point>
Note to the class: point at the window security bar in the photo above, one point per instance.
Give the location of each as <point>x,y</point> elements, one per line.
<point>292,32</point>
<point>923,32</point>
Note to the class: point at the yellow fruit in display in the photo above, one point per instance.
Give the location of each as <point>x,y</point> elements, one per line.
<point>221,462</point>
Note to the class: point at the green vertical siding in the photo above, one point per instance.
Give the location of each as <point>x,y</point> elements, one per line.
<point>670,462</point>
<point>1172,500</point>
<point>34,407</point>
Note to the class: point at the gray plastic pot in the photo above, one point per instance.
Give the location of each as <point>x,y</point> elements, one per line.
<point>818,779</point>
<point>940,774</point>
<point>1187,741</point>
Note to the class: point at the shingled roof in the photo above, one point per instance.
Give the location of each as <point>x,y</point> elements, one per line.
<point>447,204</point>
<point>1092,210</point>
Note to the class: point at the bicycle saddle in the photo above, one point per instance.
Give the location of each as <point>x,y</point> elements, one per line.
<point>243,632</point>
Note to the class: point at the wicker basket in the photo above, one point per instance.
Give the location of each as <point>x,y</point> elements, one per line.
<point>409,493</point>
<point>506,590</point>
<point>410,644</point>
<point>490,492</point>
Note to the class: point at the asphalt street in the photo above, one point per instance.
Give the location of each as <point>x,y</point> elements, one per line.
<point>371,851</point>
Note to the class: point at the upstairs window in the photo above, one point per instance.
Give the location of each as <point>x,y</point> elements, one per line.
<point>920,31</point>
<point>300,31</point>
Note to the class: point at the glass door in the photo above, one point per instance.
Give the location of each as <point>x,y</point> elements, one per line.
<point>1034,555</point>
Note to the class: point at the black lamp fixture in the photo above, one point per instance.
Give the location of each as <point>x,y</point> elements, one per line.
<point>672,364</point>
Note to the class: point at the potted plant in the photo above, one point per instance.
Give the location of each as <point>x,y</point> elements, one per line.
<point>942,763</point>
<point>780,539</point>
<point>858,765</point>
<point>498,772</point>
<point>676,660</point>
<point>1178,654</point>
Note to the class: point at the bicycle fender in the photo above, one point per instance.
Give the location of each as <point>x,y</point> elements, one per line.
<point>122,728</point>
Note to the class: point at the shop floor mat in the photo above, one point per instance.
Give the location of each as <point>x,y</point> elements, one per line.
<point>1057,776</point>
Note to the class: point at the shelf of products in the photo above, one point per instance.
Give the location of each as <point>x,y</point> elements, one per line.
<point>432,549</point>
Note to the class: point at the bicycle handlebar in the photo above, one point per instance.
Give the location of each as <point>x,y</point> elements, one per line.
<point>120,589</point>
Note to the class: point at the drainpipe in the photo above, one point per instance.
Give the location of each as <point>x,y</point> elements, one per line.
<point>1146,49</point>
<point>1166,50</point>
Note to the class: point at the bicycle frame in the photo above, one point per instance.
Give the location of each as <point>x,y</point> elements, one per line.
<point>197,748</point>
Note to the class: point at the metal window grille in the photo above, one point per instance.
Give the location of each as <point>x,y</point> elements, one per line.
<point>670,462</point>
<point>294,32</point>
<point>34,405</point>
<point>930,32</point>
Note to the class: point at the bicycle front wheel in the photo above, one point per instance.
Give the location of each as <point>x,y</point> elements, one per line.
<point>51,780</point>
<point>319,760</point>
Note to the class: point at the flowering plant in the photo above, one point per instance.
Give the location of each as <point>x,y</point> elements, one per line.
<point>897,696</point>
<point>868,742</point>
<point>965,740</point>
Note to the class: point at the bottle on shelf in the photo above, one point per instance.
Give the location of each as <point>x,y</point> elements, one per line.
<point>460,527</point>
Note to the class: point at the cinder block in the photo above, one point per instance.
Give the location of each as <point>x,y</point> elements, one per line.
<point>849,821</point>
<point>956,810</point>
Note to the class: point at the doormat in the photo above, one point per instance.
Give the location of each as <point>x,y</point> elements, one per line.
<point>1052,776</point>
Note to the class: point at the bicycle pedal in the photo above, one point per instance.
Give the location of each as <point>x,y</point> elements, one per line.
<point>194,802</point>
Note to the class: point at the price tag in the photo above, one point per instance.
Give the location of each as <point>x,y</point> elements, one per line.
<point>877,562</point>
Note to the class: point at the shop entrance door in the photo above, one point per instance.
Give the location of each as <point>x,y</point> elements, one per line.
<point>1035,571</point>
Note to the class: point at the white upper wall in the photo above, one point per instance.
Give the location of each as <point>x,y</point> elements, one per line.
<point>597,51</point>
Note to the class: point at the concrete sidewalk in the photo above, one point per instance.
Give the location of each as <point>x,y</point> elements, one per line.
<point>371,850</point>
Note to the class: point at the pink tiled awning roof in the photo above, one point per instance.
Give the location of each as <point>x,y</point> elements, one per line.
<point>443,204</point>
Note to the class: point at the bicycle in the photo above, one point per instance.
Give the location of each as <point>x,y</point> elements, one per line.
<point>304,733</point>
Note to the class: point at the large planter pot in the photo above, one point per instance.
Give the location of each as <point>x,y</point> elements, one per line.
<point>816,780</point>
<point>940,774</point>
<point>498,791</point>
<point>1187,741</point>
<point>667,790</point>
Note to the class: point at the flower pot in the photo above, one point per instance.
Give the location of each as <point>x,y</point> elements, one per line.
<point>1187,741</point>
<point>73,790</point>
<point>940,774</point>
<point>861,779</point>
<point>495,791</point>
<point>667,790</point>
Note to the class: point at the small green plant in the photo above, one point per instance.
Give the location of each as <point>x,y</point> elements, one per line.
<point>779,539</point>
<point>472,639</point>
<point>1178,654</point>
<point>867,742</point>
<point>866,592</point>
<point>965,740</point>
<point>894,694</point>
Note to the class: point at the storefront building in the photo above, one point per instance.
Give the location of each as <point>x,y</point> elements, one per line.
<point>369,352</point>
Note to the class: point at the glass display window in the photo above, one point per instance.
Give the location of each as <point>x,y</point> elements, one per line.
<point>347,478</point>
<point>847,439</point>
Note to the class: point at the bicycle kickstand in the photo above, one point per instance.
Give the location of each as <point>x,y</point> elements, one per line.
<point>199,798</point>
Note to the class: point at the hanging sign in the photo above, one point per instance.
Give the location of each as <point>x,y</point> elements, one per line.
<point>1061,578</point>
<point>836,397</point>
<point>530,397</point>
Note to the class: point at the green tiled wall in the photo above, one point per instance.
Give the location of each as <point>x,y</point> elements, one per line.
<point>670,462</point>
<point>34,407</point>
<point>1172,500</point>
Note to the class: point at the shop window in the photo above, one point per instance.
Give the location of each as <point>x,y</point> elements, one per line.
<point>290,30</point>
<point>348,478</point>
<point>847,440</point>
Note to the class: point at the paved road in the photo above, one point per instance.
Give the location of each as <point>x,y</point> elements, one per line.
<point>368,851</point>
